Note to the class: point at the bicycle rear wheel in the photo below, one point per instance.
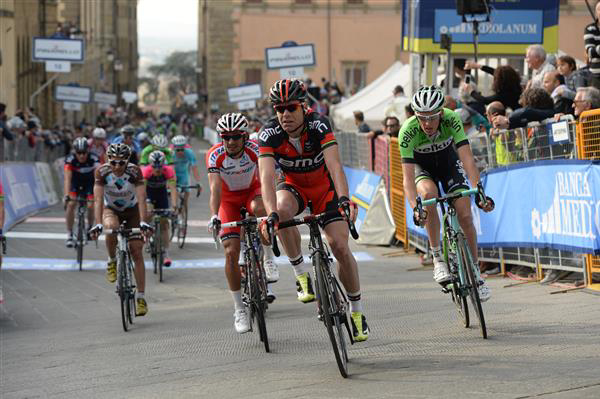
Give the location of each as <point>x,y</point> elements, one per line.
<point>122,290</point>
<point>160,254</point>
<point>473,284</point>
<point>130,291</point>
<point>80,235</point>
<point>327,301</point>
<point>182,220</point>
<point>260,297</point>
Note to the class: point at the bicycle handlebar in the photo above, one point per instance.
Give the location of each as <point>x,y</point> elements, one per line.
<point>307,219</point>
<point>122,230</point>
<point>196,186</point>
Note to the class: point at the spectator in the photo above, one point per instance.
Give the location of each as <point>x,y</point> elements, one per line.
<point>6,133</point>
<point>586,98</point>
<point>537,106</point>
<point>398,91</point>
<point>506,85</point>
<point>499,136</point>
<point>553,86</point>
<point>574,78</point>
<point>591,39</point>
<point>536,60</point>
<point>391,126</point>
<point>459,75</point>
<point>359,120</point>
<point>449,102</point>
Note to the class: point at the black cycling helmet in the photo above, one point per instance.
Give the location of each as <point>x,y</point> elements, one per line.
<point>286,90</point>
<point>118,150</point>
<point>80,144</point>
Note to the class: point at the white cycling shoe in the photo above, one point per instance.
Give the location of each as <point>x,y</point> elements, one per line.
<point>271,270</point>
<point>485,292</point>
<point>240,321</point>
<point>440,271</point>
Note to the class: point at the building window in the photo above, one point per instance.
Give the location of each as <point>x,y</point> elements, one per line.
<point>355,75</point>
<point>252,76</point>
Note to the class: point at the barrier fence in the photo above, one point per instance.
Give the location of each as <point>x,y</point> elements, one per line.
<point>549,140</point>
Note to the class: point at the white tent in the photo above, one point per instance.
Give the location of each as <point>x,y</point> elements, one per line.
<point>375,100</point>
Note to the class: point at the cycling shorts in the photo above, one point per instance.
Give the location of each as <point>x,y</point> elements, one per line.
<point>84,191</point>
<point>231,204</point>
<point>323,198</point>
<point>73,195</point>
<point>129,215</point>
<point>452,175</point>
<point>159,198</point>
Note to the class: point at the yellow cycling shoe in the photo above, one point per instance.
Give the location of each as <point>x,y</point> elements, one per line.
<point>141,307</point>
<point>111,271</point>
<point>304,288</point>
<point>360,329</point>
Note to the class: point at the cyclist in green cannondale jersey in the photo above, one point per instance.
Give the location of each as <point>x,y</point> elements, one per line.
<point>435,149</point>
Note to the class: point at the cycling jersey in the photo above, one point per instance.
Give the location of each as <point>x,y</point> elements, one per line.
<point>99,150</point>
<point>145,155</point>
<point>156,186</point>
<point>236,174</point>
<point>435,159</point>
<point>182,166</point>
<point>82,180</point>
<point>119,191</point>
<point>302,160</point>
<point>135,147</point>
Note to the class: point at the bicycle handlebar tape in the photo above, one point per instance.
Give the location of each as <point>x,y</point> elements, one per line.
<point>272,224</point>
<point>345,204</point>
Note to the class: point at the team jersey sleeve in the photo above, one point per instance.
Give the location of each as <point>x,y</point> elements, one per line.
<point>406,139</point>
<point>69,162</point>
<point>146,171</point>
<point>168,155</point>
<point>100,174</point>
<point>456,127</point>
<point>325,133</point>
<point>135,172</point>
<point>266,148</point>
<point>212,157</point>
<point>169,172</point>
<point>145,154</point>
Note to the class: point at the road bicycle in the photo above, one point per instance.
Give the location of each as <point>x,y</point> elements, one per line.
<point>254,281</point>
<point>125,277</point>
<point>180,219</point>
<point>157,251</point>
<point>81,235</point>
<point>332,303</point>
<point>465,279</point>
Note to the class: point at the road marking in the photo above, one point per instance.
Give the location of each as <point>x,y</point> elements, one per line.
<point>71,264</point>
<point>39,219</point>
<point>63,236</point>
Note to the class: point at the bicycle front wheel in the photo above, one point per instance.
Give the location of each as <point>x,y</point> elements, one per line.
<point>122,289</point>
<point>327,301</point>
<point>473,284</point>
<point>80,235</point>
<point>182,220</point>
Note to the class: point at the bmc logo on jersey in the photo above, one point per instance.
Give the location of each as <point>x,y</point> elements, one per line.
<point>318,125</point>
<point>268,132</point>
<point>302,163</point>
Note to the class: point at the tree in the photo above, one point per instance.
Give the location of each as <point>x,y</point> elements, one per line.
<point>180,65</point>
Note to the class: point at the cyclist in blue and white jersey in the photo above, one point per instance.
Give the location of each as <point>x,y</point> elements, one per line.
<point>184,160</point>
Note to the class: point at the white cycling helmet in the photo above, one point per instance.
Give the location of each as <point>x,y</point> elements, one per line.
<point>143,136</point>
<point>160,141</point>
<point>179,140</point>
<point>231,122</point>
<point>157,159</point>
<point>428,99</point>
<point>99,133</point>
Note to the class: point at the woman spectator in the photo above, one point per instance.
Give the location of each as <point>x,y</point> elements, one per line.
<point>537,106</point>
<point>506,85</point>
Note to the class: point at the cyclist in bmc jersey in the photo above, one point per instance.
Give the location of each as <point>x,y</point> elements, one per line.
<point>79,181</point>
<point>302,143</point>
<point>435,149</point>
<point>121,197</point>
<point>184,160</point>
<point>160,183</point>
<point>233,178</point>
<point>159,143</point>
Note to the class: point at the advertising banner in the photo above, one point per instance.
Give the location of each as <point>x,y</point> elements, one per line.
<point>105,98</point>
<point>52,49</point>
<point>290,56</point>
<point>244,93</point>
<point>547,204</point>
<point>24,192</point>
<point>76,94</point>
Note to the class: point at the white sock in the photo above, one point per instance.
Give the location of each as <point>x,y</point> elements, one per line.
<point>112,259</point>
<point>237,300</point>
<point>355,301</point>
<point>241,259</point>
<point>299,266</point>
<point>268,252</point>
<point>140,295</point>
<point>436,252</point>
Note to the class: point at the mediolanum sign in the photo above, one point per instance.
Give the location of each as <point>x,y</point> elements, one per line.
<point>73,94</point>
<point>289,57</point>
<point>48,49</point>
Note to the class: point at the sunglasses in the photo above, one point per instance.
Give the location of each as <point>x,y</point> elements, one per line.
<point>392,126</point>
<point>232,137</point>
<point>428,118</point>
<point>120,162</point>
<point>81,152</point>
<point>289,108</point>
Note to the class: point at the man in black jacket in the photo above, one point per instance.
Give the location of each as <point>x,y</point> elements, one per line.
<point>554,85</point>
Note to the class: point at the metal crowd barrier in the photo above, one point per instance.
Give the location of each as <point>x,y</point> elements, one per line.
<point>19,150</point>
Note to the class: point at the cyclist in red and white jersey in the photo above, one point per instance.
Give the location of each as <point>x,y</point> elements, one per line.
<point>233,178</point>
<point>302,143</point>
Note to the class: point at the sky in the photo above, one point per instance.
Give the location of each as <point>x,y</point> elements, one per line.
<point>165,26</point>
